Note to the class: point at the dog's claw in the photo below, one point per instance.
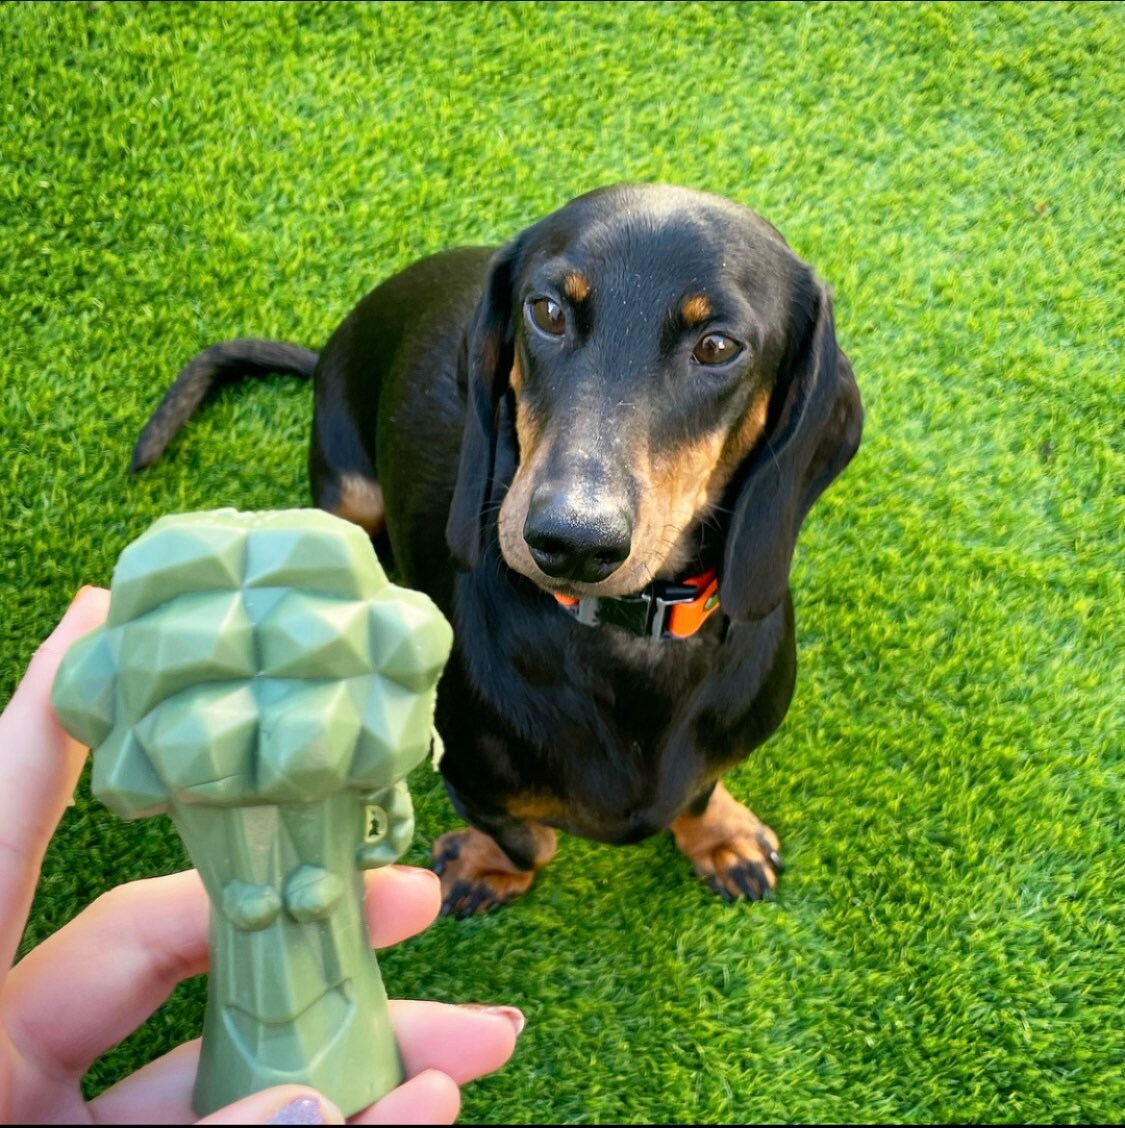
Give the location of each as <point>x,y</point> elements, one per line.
<point>751,880</point>
<point>772,856</point>
<point>474,901</point>
<point>464,900</point>
<point>770,851</point>
<point>459,903</point>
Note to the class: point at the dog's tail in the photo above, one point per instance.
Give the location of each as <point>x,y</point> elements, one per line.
<point>217,365</point>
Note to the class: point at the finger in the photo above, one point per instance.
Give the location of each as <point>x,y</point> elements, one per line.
<point>150,935</point>
<point>39,768</point>
<point>107,970</point>
<point>283,1104</point>
<point>463,1042</point>
<point>430,1098</point>
<point>161,1094</point>
<point>158,1093</point>
<point>458,1044</point>
<point>401,901</point>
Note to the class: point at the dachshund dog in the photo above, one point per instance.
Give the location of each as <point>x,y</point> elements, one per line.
<point>593,448</point>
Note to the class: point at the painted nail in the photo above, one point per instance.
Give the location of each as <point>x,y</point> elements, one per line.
<point>304,1110</point>
<point>514,1016</point>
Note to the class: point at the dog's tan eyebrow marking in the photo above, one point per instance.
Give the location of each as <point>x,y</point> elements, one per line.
<point>576,286</point>
<point>696,309</point>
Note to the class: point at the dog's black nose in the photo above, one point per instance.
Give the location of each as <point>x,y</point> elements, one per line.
<point>572,542</point>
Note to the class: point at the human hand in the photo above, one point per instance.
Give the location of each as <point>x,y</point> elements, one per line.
<point>152,934</point>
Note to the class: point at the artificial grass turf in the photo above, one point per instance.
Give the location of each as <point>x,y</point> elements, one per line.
<point>946,944</point>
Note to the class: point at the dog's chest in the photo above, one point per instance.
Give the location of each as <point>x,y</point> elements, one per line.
<point>592,722</point>
<point>605,722</point>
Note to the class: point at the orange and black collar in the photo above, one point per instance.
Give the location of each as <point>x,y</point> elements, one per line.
<point>662,610</point>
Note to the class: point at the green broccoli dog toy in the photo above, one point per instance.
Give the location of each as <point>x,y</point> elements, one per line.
<point>260,679</point>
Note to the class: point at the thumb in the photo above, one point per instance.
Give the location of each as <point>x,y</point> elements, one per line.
<point>283,1104</point>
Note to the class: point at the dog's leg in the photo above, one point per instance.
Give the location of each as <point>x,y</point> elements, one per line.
<point>356,498</point>
<point>479,872</point>
<point>340,471</point>
<point>729,846</point>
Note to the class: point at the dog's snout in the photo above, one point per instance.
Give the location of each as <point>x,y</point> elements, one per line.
<point>572,541</point>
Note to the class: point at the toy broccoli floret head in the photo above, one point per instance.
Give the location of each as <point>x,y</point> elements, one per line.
<point>259,679</point>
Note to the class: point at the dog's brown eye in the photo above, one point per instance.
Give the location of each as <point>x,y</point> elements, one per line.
<point>716,349</point>
<point>548,315</point>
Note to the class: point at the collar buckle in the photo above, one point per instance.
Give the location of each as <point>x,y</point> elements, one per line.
<point>661,611</point>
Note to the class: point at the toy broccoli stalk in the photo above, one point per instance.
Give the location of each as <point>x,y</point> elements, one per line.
<point>260,679</point>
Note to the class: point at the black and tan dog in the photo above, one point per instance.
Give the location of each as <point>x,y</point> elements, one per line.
<point>594,449</point>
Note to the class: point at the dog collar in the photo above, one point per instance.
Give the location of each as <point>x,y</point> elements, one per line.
<point>662,610</point>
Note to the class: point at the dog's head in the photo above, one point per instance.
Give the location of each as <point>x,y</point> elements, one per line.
<point>645,364</point>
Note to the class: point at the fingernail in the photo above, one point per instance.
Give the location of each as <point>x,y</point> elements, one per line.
<point>421,876</point>
<point>303,1110</point>
<point>514,1016</point>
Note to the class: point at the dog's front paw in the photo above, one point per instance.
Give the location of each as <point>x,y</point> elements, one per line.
<point>730,848</point>
<point>476,875</point>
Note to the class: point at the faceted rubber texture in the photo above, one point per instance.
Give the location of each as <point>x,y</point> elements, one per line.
<point>258,678</point>
<point>252,658</point>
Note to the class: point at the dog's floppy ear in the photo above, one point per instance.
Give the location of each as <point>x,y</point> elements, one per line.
<point>815,421</point>
<point>484,368</point>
